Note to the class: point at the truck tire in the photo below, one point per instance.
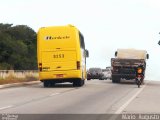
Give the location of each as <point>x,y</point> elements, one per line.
<point>115,79</point>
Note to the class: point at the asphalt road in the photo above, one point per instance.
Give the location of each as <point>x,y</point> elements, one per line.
<point>95,97</point>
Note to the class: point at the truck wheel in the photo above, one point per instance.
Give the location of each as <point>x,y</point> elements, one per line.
<point>115,79</point>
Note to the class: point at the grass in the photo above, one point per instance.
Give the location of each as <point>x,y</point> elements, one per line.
<point>11,78</point>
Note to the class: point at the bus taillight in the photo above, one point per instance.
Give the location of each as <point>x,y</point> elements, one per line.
<point>78,65</point>
<point>40,66</point>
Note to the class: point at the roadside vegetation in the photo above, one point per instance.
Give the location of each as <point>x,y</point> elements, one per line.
<point>16,77</point>
<point>17,51</point>
<point>17,47</point>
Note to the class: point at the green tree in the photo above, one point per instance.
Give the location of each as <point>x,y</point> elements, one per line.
<point>17,47</point>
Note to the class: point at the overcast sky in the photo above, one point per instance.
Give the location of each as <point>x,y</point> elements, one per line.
<point>106,25</point>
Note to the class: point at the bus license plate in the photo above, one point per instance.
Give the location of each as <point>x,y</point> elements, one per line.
<point>59,76</point>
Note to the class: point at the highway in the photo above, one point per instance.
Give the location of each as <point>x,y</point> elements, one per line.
<point>95,97</point>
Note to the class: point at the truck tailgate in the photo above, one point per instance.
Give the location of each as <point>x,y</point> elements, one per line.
<point>127,62</point>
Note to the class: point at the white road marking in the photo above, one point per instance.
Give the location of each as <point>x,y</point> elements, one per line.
<point>54,94</point>
<point>6,107</point>
<point>97,83</point>
<point>119,111</point>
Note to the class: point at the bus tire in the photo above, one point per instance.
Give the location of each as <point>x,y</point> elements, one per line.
<point>83,82</point>
<point>46,84</point>
<point>78,83</point>
<point>52,83</point>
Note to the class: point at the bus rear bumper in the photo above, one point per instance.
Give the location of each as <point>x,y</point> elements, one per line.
<point>60,75</point>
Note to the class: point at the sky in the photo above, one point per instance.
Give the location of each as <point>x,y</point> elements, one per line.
<point>106,25</point>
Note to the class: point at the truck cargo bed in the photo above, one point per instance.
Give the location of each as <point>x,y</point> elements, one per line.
<point>117,62</point>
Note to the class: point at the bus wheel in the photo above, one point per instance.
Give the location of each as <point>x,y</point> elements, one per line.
<point>83,82</point>
<point>78,83</point>
<point>46,84</point>
<point>52,83</point>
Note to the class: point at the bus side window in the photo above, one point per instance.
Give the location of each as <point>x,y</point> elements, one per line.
<point>87,53</point>
<point>82,44</point>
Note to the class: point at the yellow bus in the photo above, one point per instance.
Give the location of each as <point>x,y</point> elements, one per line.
<point>61,55</point>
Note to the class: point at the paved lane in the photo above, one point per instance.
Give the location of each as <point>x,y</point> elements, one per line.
<point>148,101</point>
<point>96,97</point>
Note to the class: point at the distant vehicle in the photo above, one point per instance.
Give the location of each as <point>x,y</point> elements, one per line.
<point>106,73</point>
<point>61,55</point>
<point>95,73</point>
<point>128,63</point>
